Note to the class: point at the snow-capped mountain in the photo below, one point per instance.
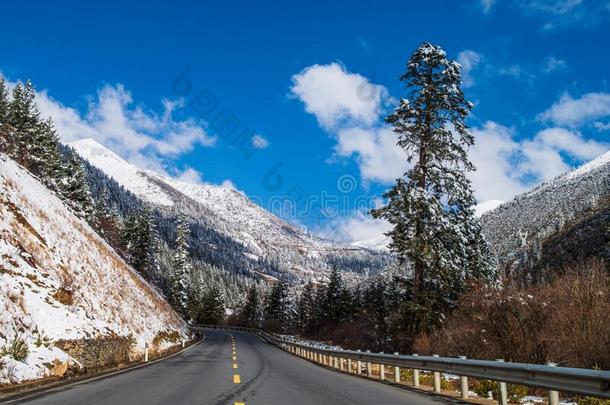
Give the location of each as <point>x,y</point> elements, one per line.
<point>60,280</point>
<point>262,234</point>
<point>557,223</point>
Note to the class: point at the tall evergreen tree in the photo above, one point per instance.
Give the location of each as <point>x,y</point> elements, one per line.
<point>251,308</point>
<point>4,102</point>
<point>431,207</point>
<point>24,118</point>
<point>213,307</point>
<point>74,187</point>
<point>306,310</point>
<point>47,156</point>
<point>333,301</point>
<point>276,307</point>
<point>182,268</point>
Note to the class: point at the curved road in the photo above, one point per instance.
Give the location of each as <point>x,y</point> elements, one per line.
<point>205,374</point>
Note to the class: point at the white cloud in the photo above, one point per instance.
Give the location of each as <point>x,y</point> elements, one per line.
<point>552,64</point>
<point>258,142</point>
<point>492,155</point>
<point>190,175</point>
<point>469,60</point>
<point>571,142</point>
<point>336,96</point>
<point>376,152</point>
<point>507,166</point>
<point>143,137</point>
<point>574,112</point>
<point>562,13</point>
<point>602,126</point>
<point>357,227</point>
<point>487,5</point>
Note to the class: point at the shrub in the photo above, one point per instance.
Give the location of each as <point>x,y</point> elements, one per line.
<point>42,340</point>
<point>17,349</point>
<point>483,387</point>
<point>566,321</point>
<point>593,401</point>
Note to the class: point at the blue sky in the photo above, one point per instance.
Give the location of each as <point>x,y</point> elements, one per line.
<point>305,88</point>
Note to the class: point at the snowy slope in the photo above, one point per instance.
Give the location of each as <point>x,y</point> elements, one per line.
<point>45,250</point>
<point>230,213</point>
<point>569,210</point>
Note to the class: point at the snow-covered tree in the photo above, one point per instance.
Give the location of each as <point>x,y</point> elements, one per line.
<point>212,307</point>
<point>24,118</point>
<point>250,312</point>
<point>431,207</point>
<point>182,268</point>
<point>276,307</point>
<point>306,310</point>
<point>4,101</point>
<point>74,188</point>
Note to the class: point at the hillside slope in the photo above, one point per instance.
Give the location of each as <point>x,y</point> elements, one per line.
<point>59,279</point>
<point>264,239</point>
<point>555,224</point>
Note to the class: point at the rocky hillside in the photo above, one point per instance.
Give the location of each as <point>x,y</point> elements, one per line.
<point>267,243</point>
<point>60,281</point>
<point>555,224</point>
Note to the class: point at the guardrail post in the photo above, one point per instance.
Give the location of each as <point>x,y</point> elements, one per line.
<point>146,353</point>
<point>183,343</point>
<point>337,363</point>
<point>502,390</point>
<point>396,371</point>
<point>349,366</point>
<point>464,383</point>
<point>381,370</point>
<point>437,378</point>
<point>359,371</point>
<point>415,374</point>
<point>553,395</point>
<point>342,364</point>
<point>369,369</point>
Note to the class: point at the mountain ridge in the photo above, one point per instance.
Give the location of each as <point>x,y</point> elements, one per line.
<point>263,234</point>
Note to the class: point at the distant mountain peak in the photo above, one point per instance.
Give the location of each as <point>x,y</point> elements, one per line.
<point>234,215</point>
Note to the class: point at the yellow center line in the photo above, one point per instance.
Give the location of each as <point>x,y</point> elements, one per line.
<point>236,379</point>
<point>240,403</point>
<point>234,365</point>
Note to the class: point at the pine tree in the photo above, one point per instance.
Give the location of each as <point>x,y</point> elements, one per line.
<point>74,188</point>
<point>24,118</point>
<point>182,268</point>
<point>306,310</point>
<point>251,308</point>
<point>108,222</point>
<point>196,294</point>
<point>276,308</point>
<point>333,301</point>
<point>431,208</point>
<point>213,307</point>
<point>4,102</point>
<point>47,155</point>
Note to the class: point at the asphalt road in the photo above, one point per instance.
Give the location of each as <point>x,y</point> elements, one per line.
<point>205,374</point>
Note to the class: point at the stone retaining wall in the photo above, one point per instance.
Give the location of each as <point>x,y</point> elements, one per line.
<point>99,352</point>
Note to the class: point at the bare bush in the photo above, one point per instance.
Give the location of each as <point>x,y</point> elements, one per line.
<point>566,321</point>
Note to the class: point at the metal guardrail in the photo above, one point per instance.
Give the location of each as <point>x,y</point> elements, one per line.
<point>579,381</point>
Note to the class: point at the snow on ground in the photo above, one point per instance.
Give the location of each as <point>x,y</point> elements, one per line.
<point>125,174</point>
<point>59,279</point>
